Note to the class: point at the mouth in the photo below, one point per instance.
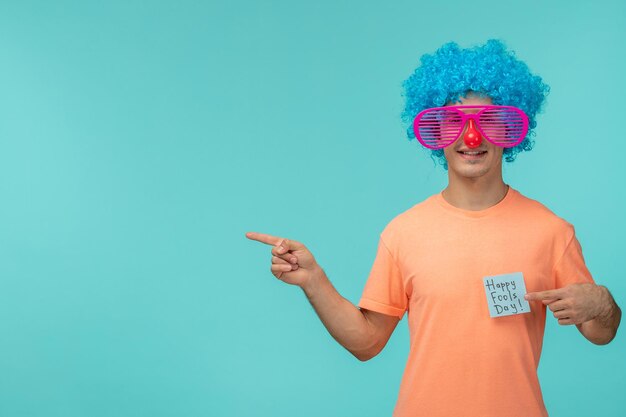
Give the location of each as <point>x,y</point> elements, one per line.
<point>472,155</point>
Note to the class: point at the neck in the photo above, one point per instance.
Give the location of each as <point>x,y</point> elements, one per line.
<point>474,193</point>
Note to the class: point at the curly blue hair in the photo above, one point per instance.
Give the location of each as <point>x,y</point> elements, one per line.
<point>487,70</point>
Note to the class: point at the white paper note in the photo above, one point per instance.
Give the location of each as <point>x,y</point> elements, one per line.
<point>505,294</point>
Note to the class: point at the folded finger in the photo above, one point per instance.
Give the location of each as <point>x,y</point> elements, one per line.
<point>278,260</point>
<point>557,305</point>
<point>282,253</point>
<point>280,268</point>
<point>561,314</point>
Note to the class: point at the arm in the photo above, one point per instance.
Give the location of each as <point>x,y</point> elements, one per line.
<point>602,328</point>
<point>589,306</point>
<point>363,333</point>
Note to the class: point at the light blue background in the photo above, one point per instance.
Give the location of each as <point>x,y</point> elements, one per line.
<point>139,141</point>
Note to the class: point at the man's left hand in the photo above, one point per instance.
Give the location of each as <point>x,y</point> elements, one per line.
<point>574,304</point>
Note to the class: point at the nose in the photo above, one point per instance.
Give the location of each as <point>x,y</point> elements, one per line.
<point>472,137</point>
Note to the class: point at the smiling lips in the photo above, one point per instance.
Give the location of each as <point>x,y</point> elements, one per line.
<point>472,154</point>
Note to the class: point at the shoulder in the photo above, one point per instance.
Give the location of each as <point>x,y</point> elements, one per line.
<point>409,220</point>
<point>540,216</point>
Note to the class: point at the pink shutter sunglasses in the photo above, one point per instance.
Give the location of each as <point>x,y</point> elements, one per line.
<point>438,127</point>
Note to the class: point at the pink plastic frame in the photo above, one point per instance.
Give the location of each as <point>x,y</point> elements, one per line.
<point>438,127</point>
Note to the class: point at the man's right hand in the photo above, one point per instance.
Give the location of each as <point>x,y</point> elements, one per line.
<point>292,262</point>
<point>362,332</point>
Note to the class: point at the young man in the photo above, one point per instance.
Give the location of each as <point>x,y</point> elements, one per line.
<point>440,260</point>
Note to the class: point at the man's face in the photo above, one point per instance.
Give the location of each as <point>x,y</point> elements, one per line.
<point>462,160</point>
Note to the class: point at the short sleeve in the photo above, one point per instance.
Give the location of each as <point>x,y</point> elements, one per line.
<point>571,267</point>
<point>384,290</point>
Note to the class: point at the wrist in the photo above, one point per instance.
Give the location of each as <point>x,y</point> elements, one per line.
<point>606,305</point>
<point>315,278</point>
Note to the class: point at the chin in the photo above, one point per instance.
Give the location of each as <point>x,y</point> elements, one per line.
<point>472,173</point>
<point>469,170</point>
<point>474,169</point>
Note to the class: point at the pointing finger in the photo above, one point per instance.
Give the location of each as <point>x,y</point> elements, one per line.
<point>263,238</point>
<point>543,295</point>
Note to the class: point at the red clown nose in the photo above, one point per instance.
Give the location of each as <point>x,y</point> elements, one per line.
<point>472,137</point>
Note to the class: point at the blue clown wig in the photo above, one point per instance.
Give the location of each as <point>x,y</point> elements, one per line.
<point>488,70</point>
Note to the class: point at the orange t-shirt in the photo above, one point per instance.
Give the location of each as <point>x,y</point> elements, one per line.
<point>431,262</point>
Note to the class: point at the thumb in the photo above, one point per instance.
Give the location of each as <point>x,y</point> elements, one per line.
<point>304,257</point>
<point>287,244</point>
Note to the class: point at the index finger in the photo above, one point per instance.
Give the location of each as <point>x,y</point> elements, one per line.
<point>263,238</point>
<point>543,295</point>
